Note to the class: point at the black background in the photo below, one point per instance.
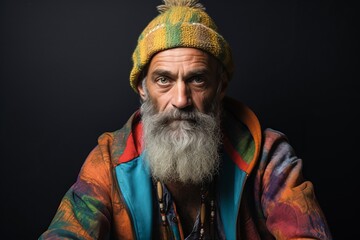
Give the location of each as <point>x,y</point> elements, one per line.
<point>64,81</point>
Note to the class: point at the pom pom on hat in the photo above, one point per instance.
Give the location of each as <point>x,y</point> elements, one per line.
<point>181,23</point>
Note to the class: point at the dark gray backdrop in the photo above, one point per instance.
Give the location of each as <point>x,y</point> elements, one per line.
<point>64,81</point>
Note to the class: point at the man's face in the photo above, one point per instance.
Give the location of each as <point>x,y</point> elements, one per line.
<point>183,78</point>
<point>181,115</point>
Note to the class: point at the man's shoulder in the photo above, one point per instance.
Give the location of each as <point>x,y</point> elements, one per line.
<point>272,136</point>
<point>124,142</point>
<point>108,138</point>
<point>275,141</point>
<point>271,133</point>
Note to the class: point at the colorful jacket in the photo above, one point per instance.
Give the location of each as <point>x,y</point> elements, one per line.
<point>262,194</point>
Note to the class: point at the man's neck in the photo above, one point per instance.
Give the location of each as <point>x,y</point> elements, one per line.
<point>187,198</point>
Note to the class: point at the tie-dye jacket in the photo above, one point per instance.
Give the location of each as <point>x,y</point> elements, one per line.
<point>261,191</point>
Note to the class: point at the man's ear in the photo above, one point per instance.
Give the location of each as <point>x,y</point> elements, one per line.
<point>141,90</point>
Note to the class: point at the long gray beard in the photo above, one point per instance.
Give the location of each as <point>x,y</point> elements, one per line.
<point>181,146</point>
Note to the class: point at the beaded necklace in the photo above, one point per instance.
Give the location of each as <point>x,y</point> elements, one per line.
<point>203,194</point>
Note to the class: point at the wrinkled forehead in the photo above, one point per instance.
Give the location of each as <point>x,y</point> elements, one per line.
<point>191,57</point>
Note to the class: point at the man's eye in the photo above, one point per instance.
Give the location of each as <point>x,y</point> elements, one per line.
<point>162,80</point>
<point>198,80</point>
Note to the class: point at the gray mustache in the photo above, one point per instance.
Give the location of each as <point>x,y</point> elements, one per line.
<point>178,115</point>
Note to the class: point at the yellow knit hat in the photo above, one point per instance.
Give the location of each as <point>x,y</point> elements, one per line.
<point>181,23</point>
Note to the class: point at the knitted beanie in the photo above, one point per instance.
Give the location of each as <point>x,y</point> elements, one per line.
<point>181,23</point>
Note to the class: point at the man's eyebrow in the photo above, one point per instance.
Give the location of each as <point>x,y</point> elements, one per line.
<point>200,71</point>
<point>161,72</point>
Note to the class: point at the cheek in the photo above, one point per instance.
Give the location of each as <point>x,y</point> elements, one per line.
<point>160,102</point>
<point>204,102</point>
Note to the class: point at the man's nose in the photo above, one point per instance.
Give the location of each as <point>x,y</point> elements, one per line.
<point>182,95</point>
